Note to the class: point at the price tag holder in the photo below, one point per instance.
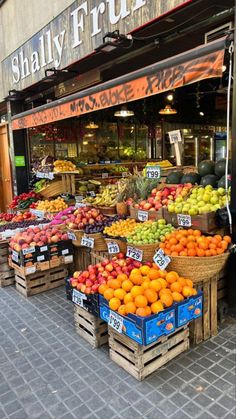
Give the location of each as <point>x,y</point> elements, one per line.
<point>87,242</point>
<point>78,298</point>
<point>134,253</point>
<point>175,136</point>
<point>113,248</point>
<point>40,258</point>
<point>115,321</point>
<point>65,252</point>
<point>28,250</point>
<point>153,172</point>
<point>43,249</point>
<point>161,260</point>
<point>142,215</point>
<point>71,235</point>
<point>104,175</point>
<point>184,220</point>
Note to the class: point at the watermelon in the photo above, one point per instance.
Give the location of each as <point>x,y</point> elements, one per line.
<point>174,177</point>
<point>206,167</point>
<point>221,182</point>
<point>220,167</point>
<point>191,177</point>
<point>209,180</point>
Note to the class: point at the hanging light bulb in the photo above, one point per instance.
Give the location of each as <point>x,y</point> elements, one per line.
<point>168,110</point>
<point>201,113</point>
<point>170,97</point>
<point>124,112</point>
<point>91,125</point>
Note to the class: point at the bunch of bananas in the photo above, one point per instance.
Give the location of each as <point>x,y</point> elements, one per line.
<point>106,198</point>
<point>63,166</point>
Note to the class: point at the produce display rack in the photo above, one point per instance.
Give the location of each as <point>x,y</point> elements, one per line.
<point>90,327</point>
<point>41,281</point>
<point>140,361</point>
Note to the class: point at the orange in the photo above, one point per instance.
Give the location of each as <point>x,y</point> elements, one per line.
<point>177,296</point>
<point>146,284</point>
<point>122,310</point>
<point>157,306</point>
<point>191,238</point>
<point>191,245</point>
<point>192,252</point>
<point>227,239</point>
<point>155,284</point>
<point>141,301</point>
<point>187,291</point>
<point>182,281</point>
<point>148,310</point>
<point>151,295</point>
<point>115,283</point>
<point>200,252</point>
<point>127,284</point>
<point>173,240</point>
<point>144,269</point>
<point>119,293</point>
<point>114,303</point>
<point>203,245</point>
<point>208,252</point>
<point>137,279</point>
<point>197,233</point>
<point>102,288</point>
<point>136,290</point>
<point>174,254</point>
<point>163,282</point>
<point>165,291</point>
<point>128,298</point>
<point>108,293</point>
<point>219,251</point>
<point>183,253</point>
<point>213,252</point>
<point>166,299</point>
<point>172,276</point>
<point>218,237</point>
<point>189,283</point>
<point>153,274</point>
<point>194,292</point>
<point>176,286</point>
<point>135,271</point>
<point>141,311</point>
<point>183,241</point>
<point>130,307</point>
<point>162,274</point>
<point>122,277</point>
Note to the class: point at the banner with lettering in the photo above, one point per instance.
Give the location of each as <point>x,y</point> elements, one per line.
<point>102,97</point>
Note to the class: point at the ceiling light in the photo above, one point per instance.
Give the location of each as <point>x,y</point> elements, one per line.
<point>124,112</point>
<point>91,125</point>
<point>170,97</point>
<point>120,40</point>
<point>201,113</point>
<point>224,68</point>
<point>85,142</point>
<point>168,110</point>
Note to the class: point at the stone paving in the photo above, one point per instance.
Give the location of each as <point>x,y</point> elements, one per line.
<point>48,371</point>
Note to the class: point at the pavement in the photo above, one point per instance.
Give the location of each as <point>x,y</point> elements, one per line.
<point>48,371</point>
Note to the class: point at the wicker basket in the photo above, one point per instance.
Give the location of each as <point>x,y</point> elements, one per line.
<point>99,242</point>
<point>198,269</point>
<point>149,250</point>
<point>121,243</point>
<point>53,189</point>
<point>152,215</point>
<point>78,234</point>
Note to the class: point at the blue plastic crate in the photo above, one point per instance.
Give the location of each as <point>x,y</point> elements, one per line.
<point>189,309</point>
<point>143,330</point>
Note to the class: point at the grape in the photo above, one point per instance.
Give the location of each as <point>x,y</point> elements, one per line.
<point>21,224</point>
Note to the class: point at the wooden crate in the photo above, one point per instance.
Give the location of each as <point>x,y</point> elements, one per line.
<point>98,257</point>
<point>205,222</point>
<point>89,327</point>
<point>7,275</point>
<point>221,288</point>
<point>82,258</point>
<point>140,361</point>
<point>41,281</point>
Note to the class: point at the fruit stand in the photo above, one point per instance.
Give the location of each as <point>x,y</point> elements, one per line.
<point>141,256</point>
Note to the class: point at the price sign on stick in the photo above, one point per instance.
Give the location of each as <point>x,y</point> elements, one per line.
<point>115,321</point>
<point>87,242</point>
<point>113,248</point>
<point>184,220</point>
<point>153,172</point>
<point>134,253</point>
<point>175,136</point>
<point>142,215</point>
<point>161,260</point>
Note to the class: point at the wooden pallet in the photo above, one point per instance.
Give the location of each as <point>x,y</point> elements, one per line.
<point>41,281</point>
<point>89,327</point>
<point>141,361</point>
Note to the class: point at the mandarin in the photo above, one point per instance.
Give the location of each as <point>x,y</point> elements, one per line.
<point>108,293</point>
<point>128,298</point>
<point>115,283</point>
<point>156,284</point>
<point>141,301</point>
<point>141,311</point>
<point>153,273</point>
<point>146,284</point>
<point>122,310</point>
<point>177,296</point>
<point>144,269</point>
<point>176,286</point>
<point>157,307</point>
<point>114,303</point>
<point>172,276</point>
<point>119,293</point>
<point>127,285</point>
<point>137,279</point>
<point>151,295</point>
<point>122,277</point>
<point>166,299</point>
<point>136,290</point>
<point>102,288</point>
<point>187,291</point>
<point>130,307</point>
<point>148,310</point>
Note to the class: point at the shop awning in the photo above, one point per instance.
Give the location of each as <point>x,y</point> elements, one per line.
<point>200,63</point>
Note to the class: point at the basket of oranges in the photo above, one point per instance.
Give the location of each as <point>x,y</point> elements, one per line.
<point>195,255</point>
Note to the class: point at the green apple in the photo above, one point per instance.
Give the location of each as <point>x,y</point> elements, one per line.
<point>208,188</point>
<point>193,211</point>
<point>201,204</point>
<point>179,199</point>
<point>221,191</point>
<point>162,221</point>
<point>206,197</point>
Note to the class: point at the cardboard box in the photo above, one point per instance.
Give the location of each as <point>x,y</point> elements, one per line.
<point>144,330</point>
<point>89,302</point>
<point>32,256</point>
<point>189,309</point>
<point>61,253</point>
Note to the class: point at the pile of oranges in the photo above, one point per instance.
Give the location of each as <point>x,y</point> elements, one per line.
<point>121,228</point>
<point>193,243</point>
<point>147,290</point>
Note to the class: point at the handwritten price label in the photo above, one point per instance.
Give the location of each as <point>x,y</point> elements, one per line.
<point>142,215</point>
<point>115,321</point>
<point>104,175</point>
<point>113,248</point>
<point>161,260</point>
<point>87,242</point>
<point>175,136</point>
<point>153,172</point>
<point>184,220</point>
<point>71,235</point>
<point>78,298</point>
<point>134,253</point>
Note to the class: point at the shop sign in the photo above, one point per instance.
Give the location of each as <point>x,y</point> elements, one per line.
<point>20,161</point>
<point>75,33</point>
<point>156,80</point>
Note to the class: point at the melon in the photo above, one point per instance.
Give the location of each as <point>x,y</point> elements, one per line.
<point>174,177</point>
<point>209,180</point>
<point>206,167</point>
<point>221,182</point>
<point>220,167</point>
<point>191,177</point>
